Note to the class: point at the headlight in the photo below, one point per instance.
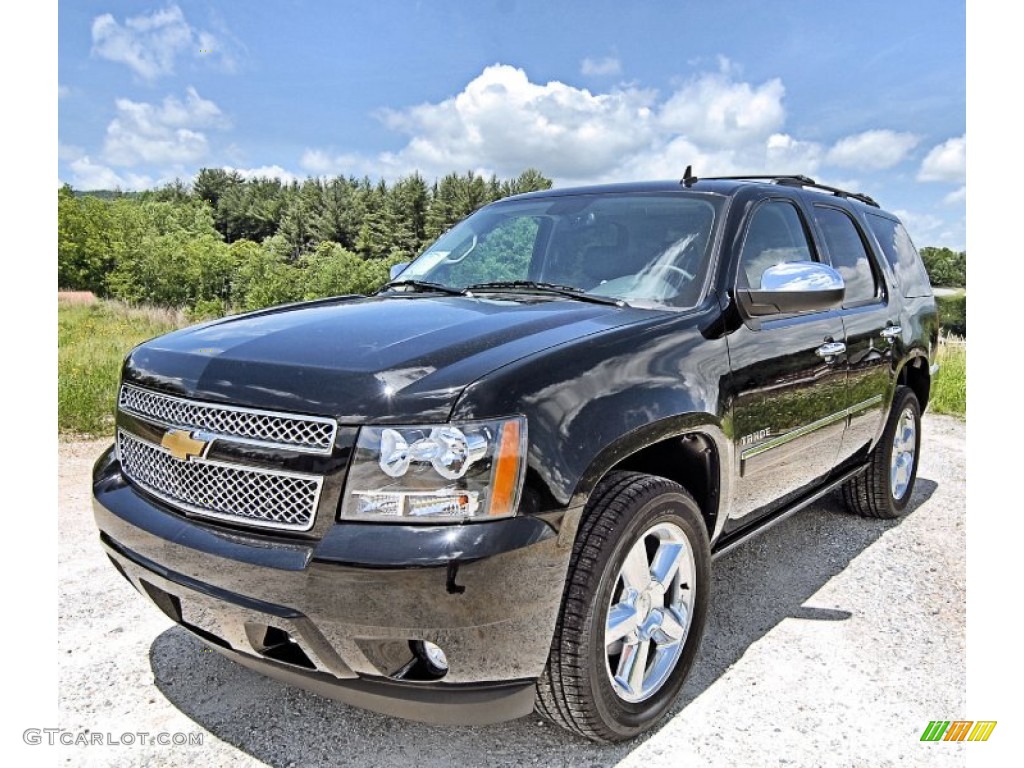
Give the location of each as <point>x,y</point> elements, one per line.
<point>444,472</point>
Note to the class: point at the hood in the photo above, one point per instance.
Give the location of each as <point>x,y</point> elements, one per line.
<point>383,359</point>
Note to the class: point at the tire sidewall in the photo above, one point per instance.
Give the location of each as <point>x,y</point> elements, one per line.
<point>905,399</point>
<point>622,717</point>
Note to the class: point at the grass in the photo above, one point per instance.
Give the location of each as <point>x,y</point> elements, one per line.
<point>949,390</point>
<point>92,339</point>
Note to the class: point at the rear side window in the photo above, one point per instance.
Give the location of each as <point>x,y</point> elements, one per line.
<point>848,253</point>
<point>776,234</point>
<point>902,256</point>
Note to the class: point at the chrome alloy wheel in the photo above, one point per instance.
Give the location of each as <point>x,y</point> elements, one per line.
<point>649,612</point>
<point>904,443</point>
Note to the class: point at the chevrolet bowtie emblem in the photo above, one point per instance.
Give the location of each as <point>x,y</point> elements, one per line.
<point>182,445</point>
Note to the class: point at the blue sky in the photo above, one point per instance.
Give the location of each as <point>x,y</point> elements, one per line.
<point>867,95</point>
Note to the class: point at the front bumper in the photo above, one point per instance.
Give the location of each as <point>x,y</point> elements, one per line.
<point>338,615</point>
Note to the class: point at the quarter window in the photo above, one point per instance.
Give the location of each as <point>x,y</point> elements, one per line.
<point>902,256</point>
<point>848,253</point>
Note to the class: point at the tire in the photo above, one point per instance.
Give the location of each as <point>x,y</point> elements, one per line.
<point>881,490</point>
<point>577,689</point>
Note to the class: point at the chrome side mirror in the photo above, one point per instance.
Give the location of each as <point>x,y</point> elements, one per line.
<point>794,286</point>
<point>397,269</point>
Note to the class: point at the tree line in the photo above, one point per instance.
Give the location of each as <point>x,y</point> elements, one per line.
<point>946,268</point>
<point>225,243</point>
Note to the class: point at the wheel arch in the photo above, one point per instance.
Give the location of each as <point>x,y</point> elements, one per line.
<point>692,454</point>
<point>916,374</point>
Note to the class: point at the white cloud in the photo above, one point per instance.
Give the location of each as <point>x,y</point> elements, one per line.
<point>922,226</point>
<point>63,91</point>
<point>86,175</point>
<point>918,223</point>
<point>714,109</point>
<point>69,152</point>
<point>150,44</point>
<point>502,123</point>
<point>873,150</point>
<point>926,229</point>
<point>322,163</point>
<point>161,134</point>
<point>609,65</point>
<point>945,162</point>
<point>667,160</point>
<point>784,154</point>
<point>956,197</point>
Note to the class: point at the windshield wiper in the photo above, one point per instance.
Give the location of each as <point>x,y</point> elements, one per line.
<point>568,291</point>
<point>422,285</point>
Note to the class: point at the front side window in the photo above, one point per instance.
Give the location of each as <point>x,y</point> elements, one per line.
<point>647,249</point>
<point>848,254</point>
<point>775,235</point>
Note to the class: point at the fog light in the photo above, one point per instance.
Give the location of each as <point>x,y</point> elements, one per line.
<point>434,656</point>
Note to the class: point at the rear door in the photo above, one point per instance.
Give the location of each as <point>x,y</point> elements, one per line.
<point>787,388</point>
<point>870,322</point>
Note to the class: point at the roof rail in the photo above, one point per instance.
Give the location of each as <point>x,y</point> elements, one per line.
<point>789,180</point>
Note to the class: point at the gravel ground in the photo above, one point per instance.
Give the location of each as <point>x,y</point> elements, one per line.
<point>831,640</point>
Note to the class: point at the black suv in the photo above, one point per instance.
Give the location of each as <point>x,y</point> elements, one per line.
<point>496,486</point>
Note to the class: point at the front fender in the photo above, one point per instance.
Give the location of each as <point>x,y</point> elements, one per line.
<point>597,399</point>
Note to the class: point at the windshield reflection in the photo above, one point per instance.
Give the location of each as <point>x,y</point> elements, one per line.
<point>640,248</point>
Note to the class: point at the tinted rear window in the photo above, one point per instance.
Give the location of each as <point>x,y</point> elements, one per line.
<point>902,256</point>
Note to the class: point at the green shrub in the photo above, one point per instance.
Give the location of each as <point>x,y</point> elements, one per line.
<point>167,254</point>
<point>207,309</point>
<point>333,271</point>
<point>329,271</point>
<point>945,267</point>
<point>84,253</point>
<point>953,313</point>
<point>263,276</point>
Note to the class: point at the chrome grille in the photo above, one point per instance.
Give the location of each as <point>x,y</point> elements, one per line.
<point>271,499</point>
<point>311,434</point>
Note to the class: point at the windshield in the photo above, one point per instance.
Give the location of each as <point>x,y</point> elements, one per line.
<point>645,249</point>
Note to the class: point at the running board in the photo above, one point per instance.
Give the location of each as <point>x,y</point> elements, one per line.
<point>744,536</point>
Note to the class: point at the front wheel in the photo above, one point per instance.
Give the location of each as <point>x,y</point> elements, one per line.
<point>633,611</point>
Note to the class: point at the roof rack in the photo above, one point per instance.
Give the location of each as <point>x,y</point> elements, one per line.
<point>789,180</point>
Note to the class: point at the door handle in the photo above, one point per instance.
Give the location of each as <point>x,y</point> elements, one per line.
<point>891,332</point>
<point>830,349</point>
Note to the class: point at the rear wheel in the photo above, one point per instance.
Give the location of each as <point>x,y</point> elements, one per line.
<point>633,611</point>
<point>885,487</point>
